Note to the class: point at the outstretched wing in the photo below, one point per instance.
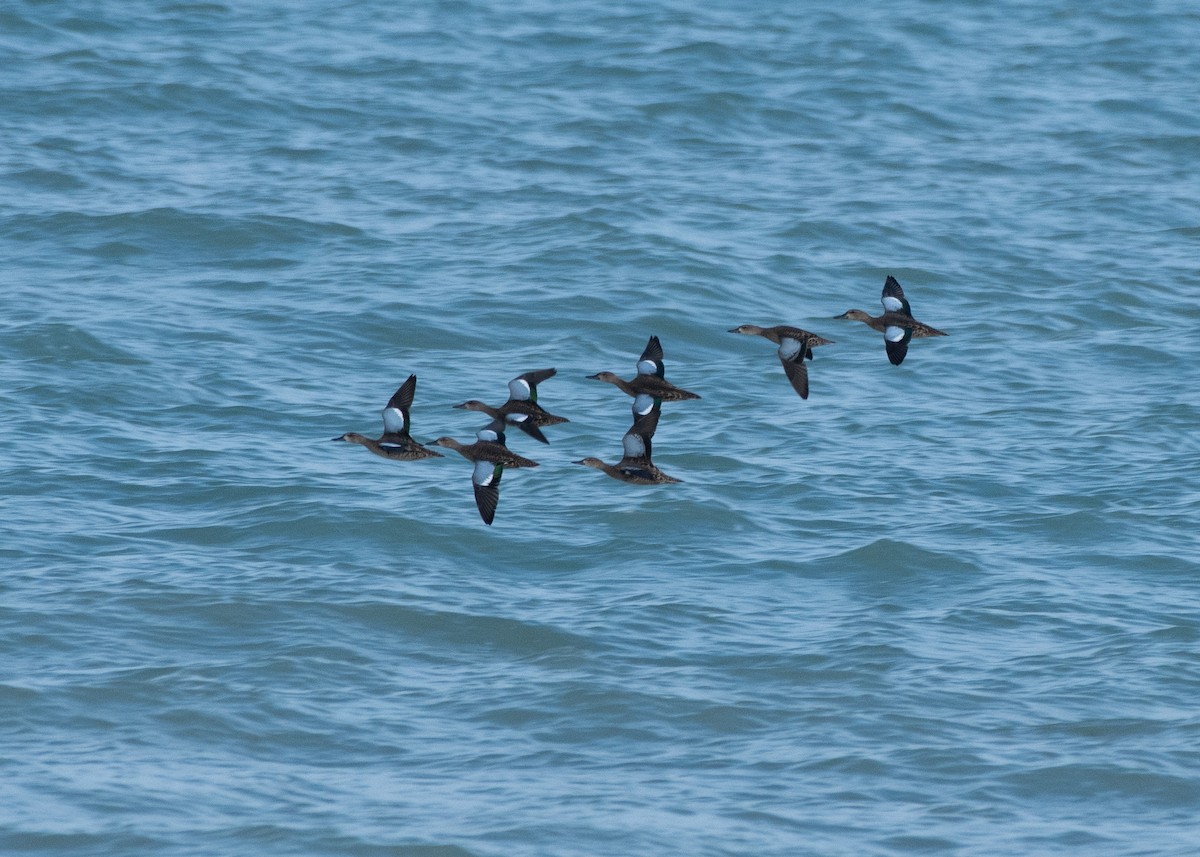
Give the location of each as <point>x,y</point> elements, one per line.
<point>395,415</point>
<point>651,361</point>
<point>797,374</point>
<point>524,387</point>
<point>486,481</point>
<point>493,432</point>
<point>636,442</point>
<point>792,352</point>
<point>893,299</point>
<point>895,339</point>
<point>643,404</point>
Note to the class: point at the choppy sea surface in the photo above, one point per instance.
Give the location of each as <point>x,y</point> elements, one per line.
<point>950,607</point>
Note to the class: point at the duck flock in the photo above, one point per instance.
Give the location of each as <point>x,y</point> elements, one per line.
<point>649,388</point>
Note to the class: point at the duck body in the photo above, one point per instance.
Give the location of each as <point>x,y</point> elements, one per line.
<point>646,385</point>
<point>651,361</point>
<point>794,346</point>
<point>397,447</point>
<point>395,443</point>
<point>896,324</point>
<point>634,471</point>
<point>493,451</point>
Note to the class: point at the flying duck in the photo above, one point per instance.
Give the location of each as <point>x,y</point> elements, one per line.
<point>648,387</point>
<point>395,442</point>
<point>896,324</point>
<point>521,409</point>
<point>794,345</point>
<point>635,465</point>
<point>490,456</point>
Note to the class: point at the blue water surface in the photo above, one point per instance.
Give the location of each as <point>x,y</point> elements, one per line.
<point>946,607</point>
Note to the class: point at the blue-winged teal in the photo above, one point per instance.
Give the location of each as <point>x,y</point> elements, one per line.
<point>521,409</point>
<point>794,345</point>
<point>395,442</point>
<point>648,387</point>
<point>490,456</point>
<point>635,465</point>
<point>896,324</point>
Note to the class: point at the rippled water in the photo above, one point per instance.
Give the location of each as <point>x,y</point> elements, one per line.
<point>947,607</point>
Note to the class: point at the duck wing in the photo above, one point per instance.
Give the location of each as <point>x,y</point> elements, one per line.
<point>395,414</point>
<point>893,299</point>
<point>896,340</point>
<point>493,432</point>
<point>643,405</point>
<point>524,387</point>
<point>486,481</point>
<point>792,352</point>
<point>651,361</point>
<point>637,446</point>
<point>644,426</point>
<point>661,388</point>
<point>797,374</point>
<point>527,424</point>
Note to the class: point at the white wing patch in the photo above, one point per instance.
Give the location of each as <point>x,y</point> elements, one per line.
<point>393,420</point>
<point>518,388</point>
<point>484,472</point>
<point>789,348</point>
<point>635,447</point>
<point>893,334</point>
<point>892,304</point>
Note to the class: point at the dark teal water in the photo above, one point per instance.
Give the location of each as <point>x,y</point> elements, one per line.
<point>948,607</point>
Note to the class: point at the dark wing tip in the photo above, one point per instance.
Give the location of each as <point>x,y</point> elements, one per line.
<point>533,431</point>
<point>537,376</point>
<point>487,498</point>
<point>891,289</point>
<point>653,350</point>
<point>797,374</point>
<point>403,397</point>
